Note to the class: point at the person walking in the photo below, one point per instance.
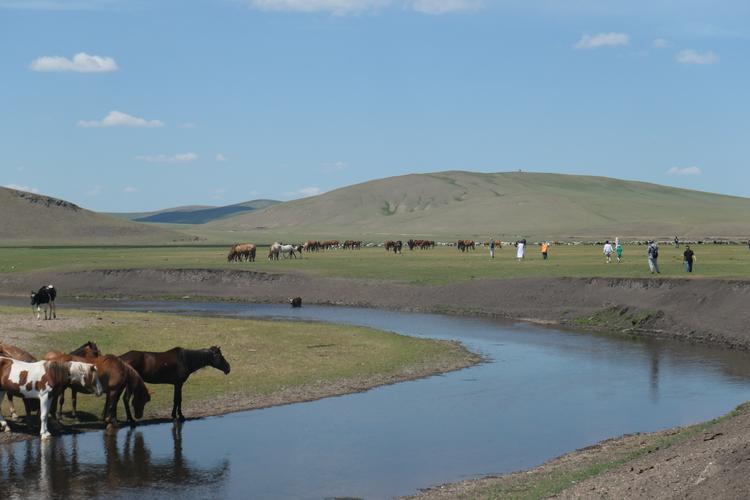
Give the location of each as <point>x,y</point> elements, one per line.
<point>520,247</point>
<point>653,256</point>
<point>492,248</point>
<point>688,257</point>
<point>608,251</point>
<point>618,250</point>
<point>545,249</point>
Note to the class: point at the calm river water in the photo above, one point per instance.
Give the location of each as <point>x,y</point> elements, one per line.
<point>544,392</point>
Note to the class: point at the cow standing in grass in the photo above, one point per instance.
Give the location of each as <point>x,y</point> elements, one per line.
<point>45,297</point>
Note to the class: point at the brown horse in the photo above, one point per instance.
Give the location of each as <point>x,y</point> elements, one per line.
<point>174,367</point>
<point>116,376</point>
<point>10,351</point>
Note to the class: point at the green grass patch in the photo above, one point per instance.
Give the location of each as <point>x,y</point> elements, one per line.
<point>438,266</point>
<point>266,356</point>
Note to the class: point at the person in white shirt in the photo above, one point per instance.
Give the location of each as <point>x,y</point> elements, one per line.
<point>608,251</point>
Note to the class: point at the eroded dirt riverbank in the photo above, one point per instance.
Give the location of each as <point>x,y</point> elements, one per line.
<point>711,311</point>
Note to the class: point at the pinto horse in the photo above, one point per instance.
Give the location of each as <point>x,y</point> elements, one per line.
<point>44,297</point>
<point>42,380</point>
<point>174,367</point>
<point>116,376</point>
<point>13,352</point>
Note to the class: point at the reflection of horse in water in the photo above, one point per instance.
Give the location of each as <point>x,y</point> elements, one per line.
<point>54,468</point>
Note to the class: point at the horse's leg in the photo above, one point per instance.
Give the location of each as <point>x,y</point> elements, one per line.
<point>13,414</point>
<point>59,408</point>
<point>177,404</point>
<point>3,424</point>
<point>44,405</point>
<point>105,411</point>
<point>126,402</point>
<point>73,400</point>
<point>115,400</point>
<point>54,309</point>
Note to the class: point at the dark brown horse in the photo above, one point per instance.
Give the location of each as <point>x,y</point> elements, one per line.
<point>11,351</point>
<point>174,367</point>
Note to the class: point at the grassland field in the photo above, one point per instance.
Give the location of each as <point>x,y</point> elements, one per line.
<point>438,266</point>
<point>271,361</point>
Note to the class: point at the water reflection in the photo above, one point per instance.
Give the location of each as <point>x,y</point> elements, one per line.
<point>58,468</point>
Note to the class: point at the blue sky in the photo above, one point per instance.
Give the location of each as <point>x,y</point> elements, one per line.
<point>125,105</point>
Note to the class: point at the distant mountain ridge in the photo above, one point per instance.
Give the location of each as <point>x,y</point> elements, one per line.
<point>508,204</point>
<point>196,214</point>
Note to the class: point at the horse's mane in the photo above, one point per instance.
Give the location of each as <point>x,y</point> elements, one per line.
<point>134,380</point>
<point>58,372</point>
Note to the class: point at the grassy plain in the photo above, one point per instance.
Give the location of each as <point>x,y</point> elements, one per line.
<point>441,265</point>
<point>271,361</point>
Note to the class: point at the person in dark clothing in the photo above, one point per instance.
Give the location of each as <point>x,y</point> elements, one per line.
<point>687,258</point>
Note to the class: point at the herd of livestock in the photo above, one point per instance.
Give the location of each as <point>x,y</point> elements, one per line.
<point>42,383</point>
<point>246,252</point>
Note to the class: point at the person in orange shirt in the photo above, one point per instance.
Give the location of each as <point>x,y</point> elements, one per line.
<point>545,249</point>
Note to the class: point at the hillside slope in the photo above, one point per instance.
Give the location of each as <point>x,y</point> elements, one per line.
<point>456,203</point>
<point>204,215</point>
<point>29,218</point>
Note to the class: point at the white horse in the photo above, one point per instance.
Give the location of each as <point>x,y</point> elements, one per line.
<point>288,250</point>
<point>41,380</point>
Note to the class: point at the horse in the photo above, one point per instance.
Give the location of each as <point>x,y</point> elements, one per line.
<point>42,380</point>
<point>273,251</point>
<point>44,297</point>
<point>116,377</point>
<point>288,250</point>
<point>242,251</point>
<point>174,367</point>
<point>9,351</point>
<point>296,301</point>
<point>85,353</point>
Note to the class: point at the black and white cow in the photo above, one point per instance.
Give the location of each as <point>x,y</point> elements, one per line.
<point>45,297</point>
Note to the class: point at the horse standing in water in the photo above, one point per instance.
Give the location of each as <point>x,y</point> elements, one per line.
<point>174,367</point>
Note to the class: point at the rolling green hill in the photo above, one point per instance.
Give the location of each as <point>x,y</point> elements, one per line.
<point>33,219</point>
<point>195,214</point>
<point>507,205</point>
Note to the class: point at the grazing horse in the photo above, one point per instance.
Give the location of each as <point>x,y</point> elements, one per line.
<point>44,297</point>
<point>42,380</point>
<point>242,251</point>
<point>296,302</point>
<point>174,367</point>
<point>273,251</point>
<point>289,250</point>
<point>10,351</point>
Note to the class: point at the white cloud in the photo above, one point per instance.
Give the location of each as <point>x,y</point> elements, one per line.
<point>443,6</point>
<point>162,158</point>
<point>660,43</point>
<point>340,7</point>
<point>220,157</point>
<point>18,187</point>
<point>695,57</point>
<point>81,63</point>
<point>119,119</point>
<point>129,189</point>
<point>602,40</point>
<point>684,171</point>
